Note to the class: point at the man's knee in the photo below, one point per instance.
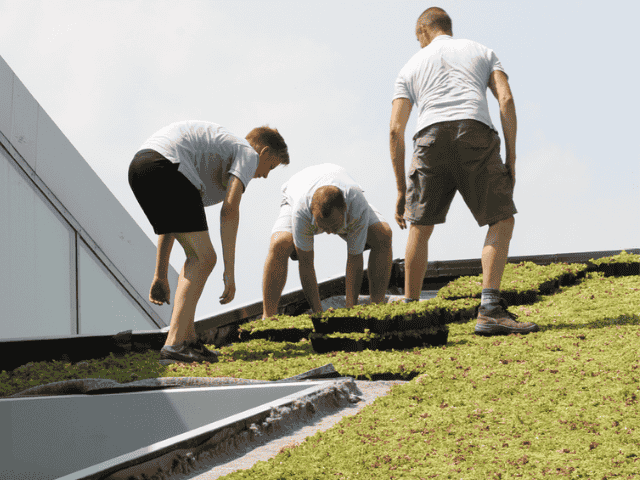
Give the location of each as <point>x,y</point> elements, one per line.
<point>504,223</point>
<point>380,235</point>
<point>281,243</point>
<point>198,248</point>
<point>207,259</point>
<point>423,232</point>
<point>502,229</point>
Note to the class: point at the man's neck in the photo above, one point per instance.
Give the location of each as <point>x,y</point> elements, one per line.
<point>437,34</point>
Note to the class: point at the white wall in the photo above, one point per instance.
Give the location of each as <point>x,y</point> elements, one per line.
<point>57,221</point>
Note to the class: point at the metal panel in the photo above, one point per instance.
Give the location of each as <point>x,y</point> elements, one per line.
<point>86,436</point>
<point>99,218</point>
<point>73,279</point>
<point>24,125</point>
<point>104,306</point>
<point>35,258</point>
<point>6,97</point>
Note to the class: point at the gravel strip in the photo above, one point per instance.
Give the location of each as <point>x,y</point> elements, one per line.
<point>267,448</point>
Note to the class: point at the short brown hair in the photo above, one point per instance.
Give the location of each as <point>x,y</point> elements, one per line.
<point>435,19</point>
<point>326,199</point>
<point>270,137</point>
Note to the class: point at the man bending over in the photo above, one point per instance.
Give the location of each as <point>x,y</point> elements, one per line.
<point>325,199</point>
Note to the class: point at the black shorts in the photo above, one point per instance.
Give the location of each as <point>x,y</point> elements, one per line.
<point>169,200</point>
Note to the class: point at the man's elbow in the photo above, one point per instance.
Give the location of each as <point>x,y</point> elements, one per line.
<point>229,212</point>
<point>396,133</point>
<point>506,102</point>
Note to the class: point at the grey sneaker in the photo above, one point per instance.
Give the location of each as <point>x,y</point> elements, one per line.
<point>499,321</point>
<point>181,353</point>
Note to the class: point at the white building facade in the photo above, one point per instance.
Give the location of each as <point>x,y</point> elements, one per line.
<point>72,259</point>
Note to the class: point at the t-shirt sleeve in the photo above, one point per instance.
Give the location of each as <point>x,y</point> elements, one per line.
<point>245,164</point>
<point>494,63</point>
<point>301,223</point>
<point>401,88</point>
<point>358,227</point>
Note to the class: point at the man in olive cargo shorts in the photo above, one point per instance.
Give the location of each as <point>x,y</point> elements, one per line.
<point>456,148</point>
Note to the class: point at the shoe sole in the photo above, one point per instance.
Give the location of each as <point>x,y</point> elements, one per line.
<point>170,361</point>
<point>503,330</point>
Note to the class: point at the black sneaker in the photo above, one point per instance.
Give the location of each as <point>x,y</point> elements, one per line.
<point>497,320</point>
<point>181,354</point>
<point>211,355</point>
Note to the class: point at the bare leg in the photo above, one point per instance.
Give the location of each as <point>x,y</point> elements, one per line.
<point>275,272</point>
<point>495,252</point>
<point>416,258</point>
<point>380,260</point>
<point>201,259</point>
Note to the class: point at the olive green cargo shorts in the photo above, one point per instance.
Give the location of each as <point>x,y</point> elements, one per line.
<point>461,155</point>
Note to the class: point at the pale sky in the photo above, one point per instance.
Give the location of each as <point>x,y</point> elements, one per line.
<point>112,73</point>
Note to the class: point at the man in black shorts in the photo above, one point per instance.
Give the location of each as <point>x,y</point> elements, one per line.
<point>177,172</point>
<point>456,148</point>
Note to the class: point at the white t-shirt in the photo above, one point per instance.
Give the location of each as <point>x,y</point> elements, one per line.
<point>207,154</point>
<point>298,192</point>
<point>448,80</point>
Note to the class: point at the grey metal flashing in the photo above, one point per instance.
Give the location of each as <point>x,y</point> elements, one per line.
<point>126,433</point>
<point>46,194</point>
<point>75,301</point>
<point>466,267</point>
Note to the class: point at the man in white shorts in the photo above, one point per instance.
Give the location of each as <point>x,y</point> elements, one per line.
<point>325,199</point>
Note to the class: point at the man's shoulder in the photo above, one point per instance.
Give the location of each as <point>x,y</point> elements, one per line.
<point>435,49</point>
<point>221,137</point>
<point>301,214</point>
<point>480,48</point>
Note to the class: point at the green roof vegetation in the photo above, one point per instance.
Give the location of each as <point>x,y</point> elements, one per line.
<point>563,401</point>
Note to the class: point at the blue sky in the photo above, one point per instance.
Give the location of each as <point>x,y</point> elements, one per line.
<point>111,73</point>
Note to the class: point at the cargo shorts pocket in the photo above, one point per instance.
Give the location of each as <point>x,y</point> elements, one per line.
<point>497,169</point>
<point>499,189</point>
<point>499,175</point>
<point>421,148</point>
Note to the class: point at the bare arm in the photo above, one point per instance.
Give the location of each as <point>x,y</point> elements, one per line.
<point>499,86</point>
<point>229,219</point>
<point>353,279</point>
<point>308,279</point>
<point>400,111</point>
<point>165,244</point>
<point>160,290</point>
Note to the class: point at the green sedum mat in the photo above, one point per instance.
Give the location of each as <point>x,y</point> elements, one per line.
<point>562,402</point>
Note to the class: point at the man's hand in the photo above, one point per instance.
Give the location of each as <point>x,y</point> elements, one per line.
<point>160,291</point>
<point>308,279</point>
<point>400,203</point>
<point>229,288</point>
